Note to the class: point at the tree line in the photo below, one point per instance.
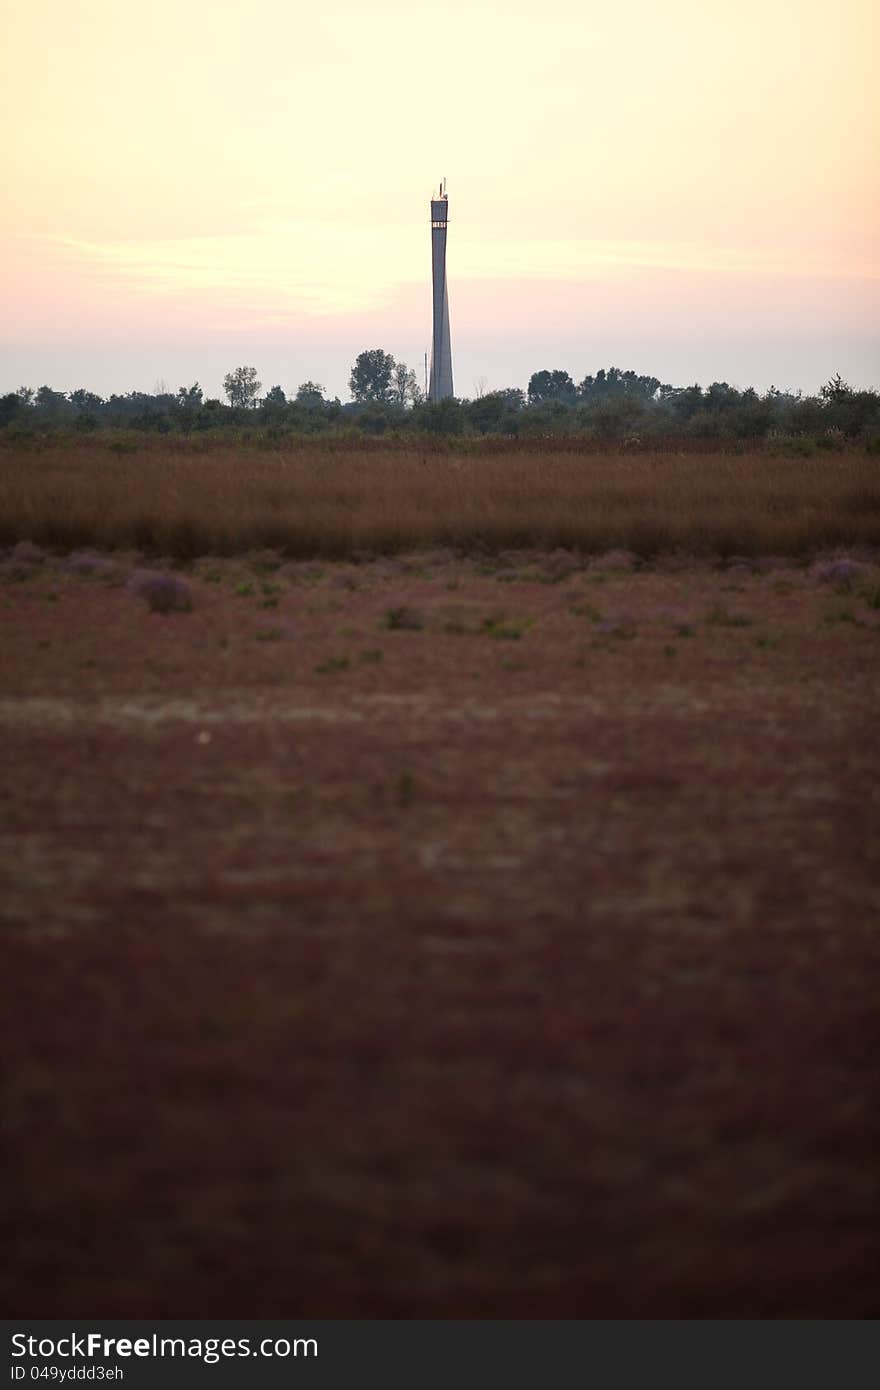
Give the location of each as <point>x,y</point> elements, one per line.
<point>386,396</point>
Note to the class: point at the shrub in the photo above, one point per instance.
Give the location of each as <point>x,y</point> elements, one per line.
<point>122,444</point>
<point>831,439</point>
<point>405,788</point>
<point>623,560</point>
<point>871,595</point>
<point>403,619</point>
<point>163,593</point>
<point>790,445</point>
<point>332,665</point>
<point>503,630</point>
<point>616,627</point>
<point>843,573</point>
<point>26,553</point>
<point>720,617</point>
<point>841,613</point>
<point>86,562</point>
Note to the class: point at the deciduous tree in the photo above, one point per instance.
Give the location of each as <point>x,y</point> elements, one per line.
<point>551,386</point>
<point>242,386</point>
<point>371,375</point>
<point>310,394</point>
<point>405,389</point>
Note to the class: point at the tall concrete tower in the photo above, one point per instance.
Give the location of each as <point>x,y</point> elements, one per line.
<point>441,348</point>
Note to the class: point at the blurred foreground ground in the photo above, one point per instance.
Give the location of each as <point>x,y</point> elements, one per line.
<point>436,937</point>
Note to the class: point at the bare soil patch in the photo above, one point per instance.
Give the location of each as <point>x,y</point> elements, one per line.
<point>437,936</point>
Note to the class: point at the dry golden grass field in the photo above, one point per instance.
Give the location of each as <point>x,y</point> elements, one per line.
<point>189,498</point>
<point>470,931</point>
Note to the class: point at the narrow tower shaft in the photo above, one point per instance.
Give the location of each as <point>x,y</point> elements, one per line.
<point>441,348</point>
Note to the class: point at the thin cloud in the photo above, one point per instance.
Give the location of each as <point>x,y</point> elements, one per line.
<point>327,268</point>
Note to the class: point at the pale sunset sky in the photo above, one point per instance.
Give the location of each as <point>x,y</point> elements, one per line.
<point>683,187</point>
